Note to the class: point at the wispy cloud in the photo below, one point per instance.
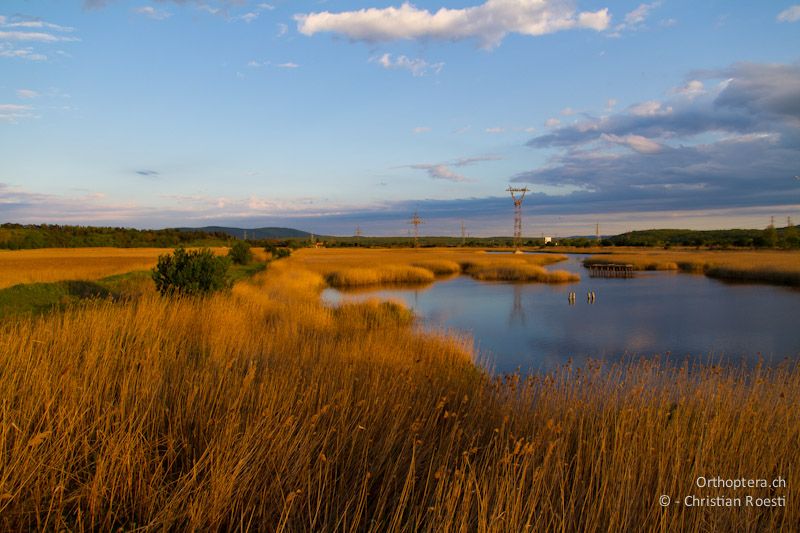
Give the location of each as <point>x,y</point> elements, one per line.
<point>28,53</point>
<point>23,29</point>
<point>417,67</point>
<point>635,20</point>
<point>13,113</point>
<point>34,36</point>
<point>152,13</point>
<point>442,171</point>
<point>421,129</point>
<point>27,93</point>
<point>259,64</point>
<point>489,22</point>
<point>790,14</point>
<point>148,173</point>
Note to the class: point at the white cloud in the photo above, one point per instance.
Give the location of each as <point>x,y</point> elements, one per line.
<point>790,14</point>
<point>153,13</point>
<point>35,24</point>
<point>6,50</point>
<point>635,19</point>
<point>611,103</point>
<point>36,36</point>
<point>639,15</point>
<point>247,17</point>
<point>651,108</point>
<point>495,130</point>
<point>258,64</point>
<point>637,143</point>
<point>440,172</point>
<point>489,22</point>
<point>552,122</point>
<point>283,29</point>
<point>27,93</point>
<point>417,67</point>
<point>691,90</point>
<point>421,129</point>
<point>13,112</point>
<point>567,111</point>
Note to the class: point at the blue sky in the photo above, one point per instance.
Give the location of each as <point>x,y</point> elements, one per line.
<point>324,115</point>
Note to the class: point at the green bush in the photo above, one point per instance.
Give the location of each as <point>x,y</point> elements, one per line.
<point>193,272</point>
<point>240,253</point>
<point>280,253</point>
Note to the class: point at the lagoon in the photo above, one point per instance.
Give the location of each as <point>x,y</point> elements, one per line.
<point>533,326</point>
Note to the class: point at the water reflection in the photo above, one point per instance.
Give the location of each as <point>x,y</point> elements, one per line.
<point>517,312</point>
<point>539,326</point>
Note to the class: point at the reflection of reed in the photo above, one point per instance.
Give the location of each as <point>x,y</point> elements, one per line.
<point>355,291</point>
<point>517,311</point>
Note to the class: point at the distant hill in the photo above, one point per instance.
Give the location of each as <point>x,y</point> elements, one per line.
<point>254,233</point>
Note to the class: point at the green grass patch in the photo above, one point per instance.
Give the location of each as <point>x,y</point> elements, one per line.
<point>38,298</point>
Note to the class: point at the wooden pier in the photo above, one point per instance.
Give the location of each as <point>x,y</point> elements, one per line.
<point>610,270</point>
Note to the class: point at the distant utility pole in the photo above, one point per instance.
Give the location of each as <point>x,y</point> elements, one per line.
<point>788,222</point>
<point>772,221</point>
<point>416,221</point>
<point>517,212</point>
<point>358,231</point>
<point>463,234</point>
<point>597,231</point>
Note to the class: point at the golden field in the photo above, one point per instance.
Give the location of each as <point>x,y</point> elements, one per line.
<point>262,409</point>
<point>349,268</point>
<point>779,267</point>
<point>59,264</point>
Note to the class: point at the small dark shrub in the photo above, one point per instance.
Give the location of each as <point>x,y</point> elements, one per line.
<point>240,253</point>
<point>193,272</point>
<point>280,253</point>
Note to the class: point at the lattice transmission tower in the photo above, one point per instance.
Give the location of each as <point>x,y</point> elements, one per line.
<point>416,221</point>
<point>517,194</point>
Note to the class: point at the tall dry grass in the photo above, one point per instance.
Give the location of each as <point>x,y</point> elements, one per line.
<point>60,264</point>
<point>768,266</point>
<point>263,410</point>
<point>370,267</point>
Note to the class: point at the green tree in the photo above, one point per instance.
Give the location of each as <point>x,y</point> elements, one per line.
<point>770,236</point>
<point>790,237</point>
<point>240,253</point>
<point>194,272</point>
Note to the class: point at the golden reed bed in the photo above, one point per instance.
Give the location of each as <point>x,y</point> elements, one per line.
<point>370,267</point>
<point>60,264</point>
<point>778,267</point>
<point>263,410</point>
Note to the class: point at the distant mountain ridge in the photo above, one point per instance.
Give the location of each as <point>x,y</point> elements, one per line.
<point>254,233</point>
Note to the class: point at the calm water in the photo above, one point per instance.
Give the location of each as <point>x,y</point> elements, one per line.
<point>532,326</point>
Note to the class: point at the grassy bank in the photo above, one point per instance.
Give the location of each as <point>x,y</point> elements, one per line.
<point>90,264</point>
<point>774,267</point>
<point>362,268</point>
<point>36,298</point>
<point>261,409</point>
